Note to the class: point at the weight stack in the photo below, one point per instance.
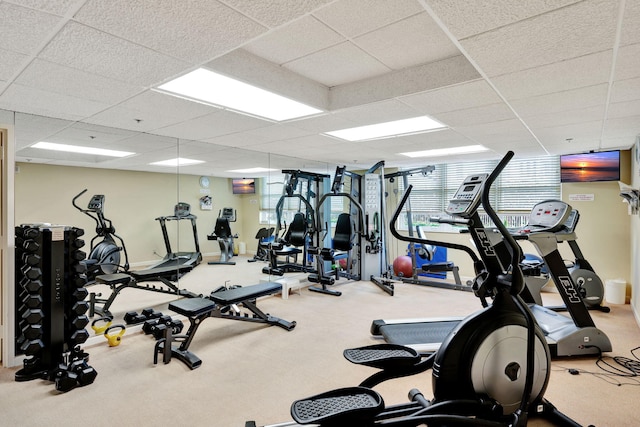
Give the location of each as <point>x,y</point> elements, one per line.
<point>51,306</point>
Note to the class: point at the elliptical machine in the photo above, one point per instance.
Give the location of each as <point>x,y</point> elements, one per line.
<point>104,257</point>
<point>491,370</point>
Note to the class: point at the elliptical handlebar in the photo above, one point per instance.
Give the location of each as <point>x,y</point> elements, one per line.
<point>73,201</point>
<point>411,239</point>
<point>517,281</point>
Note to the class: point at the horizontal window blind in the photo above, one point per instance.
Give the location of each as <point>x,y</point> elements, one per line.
<point>522,184</point>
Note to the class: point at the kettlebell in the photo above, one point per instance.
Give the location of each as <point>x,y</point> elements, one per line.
<point>114,338</point>
<point>99,329</point>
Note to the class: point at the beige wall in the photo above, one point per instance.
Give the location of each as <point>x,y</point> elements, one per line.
<point>43,193</point>
<point>634,251</point>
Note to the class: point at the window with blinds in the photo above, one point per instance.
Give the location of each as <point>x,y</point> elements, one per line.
<point>522,184</point>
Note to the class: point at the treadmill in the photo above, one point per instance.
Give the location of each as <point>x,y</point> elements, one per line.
<point>182,211</point>
<point>566,336</point>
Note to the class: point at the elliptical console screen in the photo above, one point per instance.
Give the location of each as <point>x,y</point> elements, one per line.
<point>96,204</point>
<point>467,198</point>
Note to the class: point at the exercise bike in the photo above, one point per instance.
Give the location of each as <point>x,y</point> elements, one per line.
<point>104,256</point>
<point>491,370</point>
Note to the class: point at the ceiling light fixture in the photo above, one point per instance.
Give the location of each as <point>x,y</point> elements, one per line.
<point>438,152</point>
<point>177,162</point>
<point>81,150</point>
<point>389,129</point>
<point>203,85</point>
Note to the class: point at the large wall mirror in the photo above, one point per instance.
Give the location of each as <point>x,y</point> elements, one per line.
<point>137,193</point>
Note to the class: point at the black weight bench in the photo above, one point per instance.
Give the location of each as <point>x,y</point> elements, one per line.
<point>132,279</point>
<point>222,304</point>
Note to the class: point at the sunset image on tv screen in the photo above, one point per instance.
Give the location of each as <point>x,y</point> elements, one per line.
<point>590,167</point>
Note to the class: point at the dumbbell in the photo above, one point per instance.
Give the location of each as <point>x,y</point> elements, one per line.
<point>132,318</point>
<point>80,307</point>
<point>32,332</point>
<point>33,316</point>
<point>79,336</point>
<point>79,322</point>
<point>32,301</point>
<point>150,313</point>
<point>31,273</point>
<point>31,259</point>
<point>31,286</point>
<point>30,347</point>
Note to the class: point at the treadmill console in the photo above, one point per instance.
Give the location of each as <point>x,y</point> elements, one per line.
<point>467,198</point>
<point>182,209</point>
<point>96,204</point>
<point>551,216</point>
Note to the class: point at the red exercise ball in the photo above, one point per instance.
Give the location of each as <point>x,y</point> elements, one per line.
<point>402,266</point>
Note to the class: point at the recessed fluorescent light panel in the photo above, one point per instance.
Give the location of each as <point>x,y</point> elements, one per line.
<point>83,150</point>
<point>177,162</point>
<point>253,170</point>
<point>389,129</point>
<point>207,86</point>
<point>438,152</point>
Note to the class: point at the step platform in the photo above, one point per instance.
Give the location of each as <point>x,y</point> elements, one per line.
<point>341,407</point>
<point>383,356</point>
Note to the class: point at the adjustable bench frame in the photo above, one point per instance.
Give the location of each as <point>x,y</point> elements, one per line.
<point>221,304</point>
<point>119,281</point>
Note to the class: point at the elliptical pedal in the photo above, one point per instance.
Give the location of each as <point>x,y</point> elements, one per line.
<point>345,406</point>
<point>383,356</point>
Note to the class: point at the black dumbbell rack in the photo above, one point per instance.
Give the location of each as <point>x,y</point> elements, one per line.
<point>51,306</point>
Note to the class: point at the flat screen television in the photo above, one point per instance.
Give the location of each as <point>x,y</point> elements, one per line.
<point>243,185</point>
<point>590,167</point>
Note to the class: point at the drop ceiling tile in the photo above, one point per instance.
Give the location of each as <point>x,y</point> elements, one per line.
<point>23,30</point>
<point>412,41</point>
<point>153,110</point>
<point>505,130</point>
<point>467,18</point>
<point>30,128</point>
<point>576,132</point>
<point>57,7</point>
<point>574,73</point>
<point>276,12</point>
<point>630,29</point>
<point>96,52</point>
<point>451,98</point>
<point>339,64</point>
<point>623,143</point>
<point>195,32</point>
<point>211,125</point>
<point>623,109</point>
<point>146,142</point>
<point>240,139</point>
<point>625,90</point>
<point>576,30</point>
<point>476,115</point>
<point>567,117</point>
<point>622,127</point>
<point>377,112</point>
<point>295,40</point>
<point>57,78</point>
<point>278,132</point>
<point>39,102</point>
<point>561,101</point>
<point>581,145</point>
<point>628,62</point>
<point>11,62</point>
<point>355,17</point>
<point>323,123</point>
